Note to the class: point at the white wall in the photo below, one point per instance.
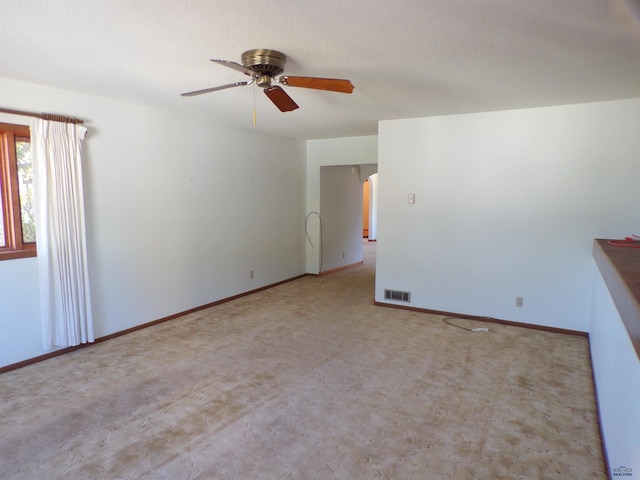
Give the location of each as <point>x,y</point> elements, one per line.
<point>353,151</point>
<point>341,207</point>
<point>19,311</point>
<point>179,211</point>
<point>507,205</point>
<point>616,370</point>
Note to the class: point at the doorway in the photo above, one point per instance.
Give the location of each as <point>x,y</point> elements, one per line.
<point>366,193</point>
<point>335,230</point>
<point>370,208</point>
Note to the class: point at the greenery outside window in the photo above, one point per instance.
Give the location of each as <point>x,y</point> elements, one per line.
<point>17,215</point>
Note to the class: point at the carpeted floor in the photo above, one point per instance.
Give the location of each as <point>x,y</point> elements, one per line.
<point>307,380</point>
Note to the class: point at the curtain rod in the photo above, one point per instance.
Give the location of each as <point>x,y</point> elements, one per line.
<point>45,116</point>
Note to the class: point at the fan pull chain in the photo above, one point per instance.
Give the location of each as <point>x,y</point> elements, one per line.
<point>254,106</point>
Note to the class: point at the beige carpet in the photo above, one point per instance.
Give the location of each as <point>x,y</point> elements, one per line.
<point>307,380</point>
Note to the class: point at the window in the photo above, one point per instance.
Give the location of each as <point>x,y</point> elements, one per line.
<point>17,216</point>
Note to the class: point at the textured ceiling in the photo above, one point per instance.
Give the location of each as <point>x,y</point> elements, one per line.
<point>406,58</point>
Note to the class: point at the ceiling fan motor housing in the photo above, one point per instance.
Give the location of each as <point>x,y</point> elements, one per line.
<point>266,63</point>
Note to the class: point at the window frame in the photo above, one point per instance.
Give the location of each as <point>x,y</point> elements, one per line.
<point>10,194</point>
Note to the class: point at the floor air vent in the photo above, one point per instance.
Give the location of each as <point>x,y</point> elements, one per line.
<point>397,295</point>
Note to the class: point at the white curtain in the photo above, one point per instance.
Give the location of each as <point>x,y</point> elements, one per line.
<point>65,299</point>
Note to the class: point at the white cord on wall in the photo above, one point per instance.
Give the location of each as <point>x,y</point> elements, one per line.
<point>308,238</point>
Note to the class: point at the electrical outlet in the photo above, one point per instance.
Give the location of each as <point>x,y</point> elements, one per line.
<point>342,254</point>
<point>519,301</point>
<point>251,274</point>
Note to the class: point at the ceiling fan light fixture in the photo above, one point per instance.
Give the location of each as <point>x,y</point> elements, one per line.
<point>264,81</point>
<point>263,65</point>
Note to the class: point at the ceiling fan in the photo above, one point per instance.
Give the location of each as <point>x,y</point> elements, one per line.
<point>263,65</point>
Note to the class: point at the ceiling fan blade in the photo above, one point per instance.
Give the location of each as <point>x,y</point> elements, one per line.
<point>215,89</point>
<point>236,66</point>
<point>330,84</point>
<point>280,98</point>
